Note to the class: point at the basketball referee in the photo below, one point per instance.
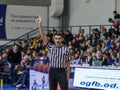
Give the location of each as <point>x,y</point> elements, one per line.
<point>58,55</point>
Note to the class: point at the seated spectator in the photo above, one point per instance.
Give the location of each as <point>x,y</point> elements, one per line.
<point>104,32</point>
<point>7,65</point>
<point>113,59</point>
<point>72,58</point>
<point>21,81</point>
<point>76,59</point>
<point>116,17</point>
<point>89,58</point>
<point>115,26</point>
<point>36,57</point>
<point>99,58</point>
<point>108,57</point>
<point>118,46</point>
<point>108,44</point>
<point>67,36</point>
<point>5,58</point>
<point>2,64</point>
<point>25,74</point>
<point>20,68</point>
<point>35,42</point>
<point>115,30</point>
<point>103,47</point>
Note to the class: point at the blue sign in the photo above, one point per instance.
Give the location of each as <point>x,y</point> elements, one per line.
<point>2,21</point>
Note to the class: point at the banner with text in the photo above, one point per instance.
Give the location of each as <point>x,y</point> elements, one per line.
<point>17,20</point>
<point>38,80</point>
<point>106,79</point>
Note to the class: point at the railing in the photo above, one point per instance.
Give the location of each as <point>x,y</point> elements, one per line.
<point>34,33</point>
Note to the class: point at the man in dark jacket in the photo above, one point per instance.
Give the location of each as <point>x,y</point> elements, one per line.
<point>14,57</point>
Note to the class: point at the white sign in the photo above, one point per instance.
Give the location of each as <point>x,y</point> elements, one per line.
<point>23,19</point>
<point>97,78</point>
<point>38,80</point>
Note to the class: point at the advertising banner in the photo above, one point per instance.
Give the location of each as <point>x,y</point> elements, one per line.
<point>17,20</point>
<point>2,21</point>
<point>106,79</point>
<point>38,80</point>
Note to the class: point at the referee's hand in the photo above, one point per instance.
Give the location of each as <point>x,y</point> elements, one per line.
<point>39,20</point>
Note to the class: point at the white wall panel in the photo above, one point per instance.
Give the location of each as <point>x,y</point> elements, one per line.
<point>93,12</point>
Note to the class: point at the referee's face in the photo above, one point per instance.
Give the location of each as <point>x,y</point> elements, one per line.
<point>58,40</point>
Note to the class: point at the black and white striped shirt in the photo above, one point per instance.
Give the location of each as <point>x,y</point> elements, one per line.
<point>58,55</point>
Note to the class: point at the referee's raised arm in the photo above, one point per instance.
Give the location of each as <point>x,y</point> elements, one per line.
<point>39,20</point>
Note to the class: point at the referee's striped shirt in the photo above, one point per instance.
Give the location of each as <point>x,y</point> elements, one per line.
<point>58,55</point>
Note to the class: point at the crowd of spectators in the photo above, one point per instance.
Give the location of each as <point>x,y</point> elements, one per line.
<point>101,47</point>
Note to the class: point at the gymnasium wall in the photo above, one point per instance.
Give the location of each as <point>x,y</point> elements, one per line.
<point>91,12</point>
<point>76,12</point>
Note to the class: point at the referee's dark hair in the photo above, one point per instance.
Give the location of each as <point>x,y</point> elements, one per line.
<point>59,34</point>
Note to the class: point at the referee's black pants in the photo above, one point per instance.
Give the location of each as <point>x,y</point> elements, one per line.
<point>58,75</point>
